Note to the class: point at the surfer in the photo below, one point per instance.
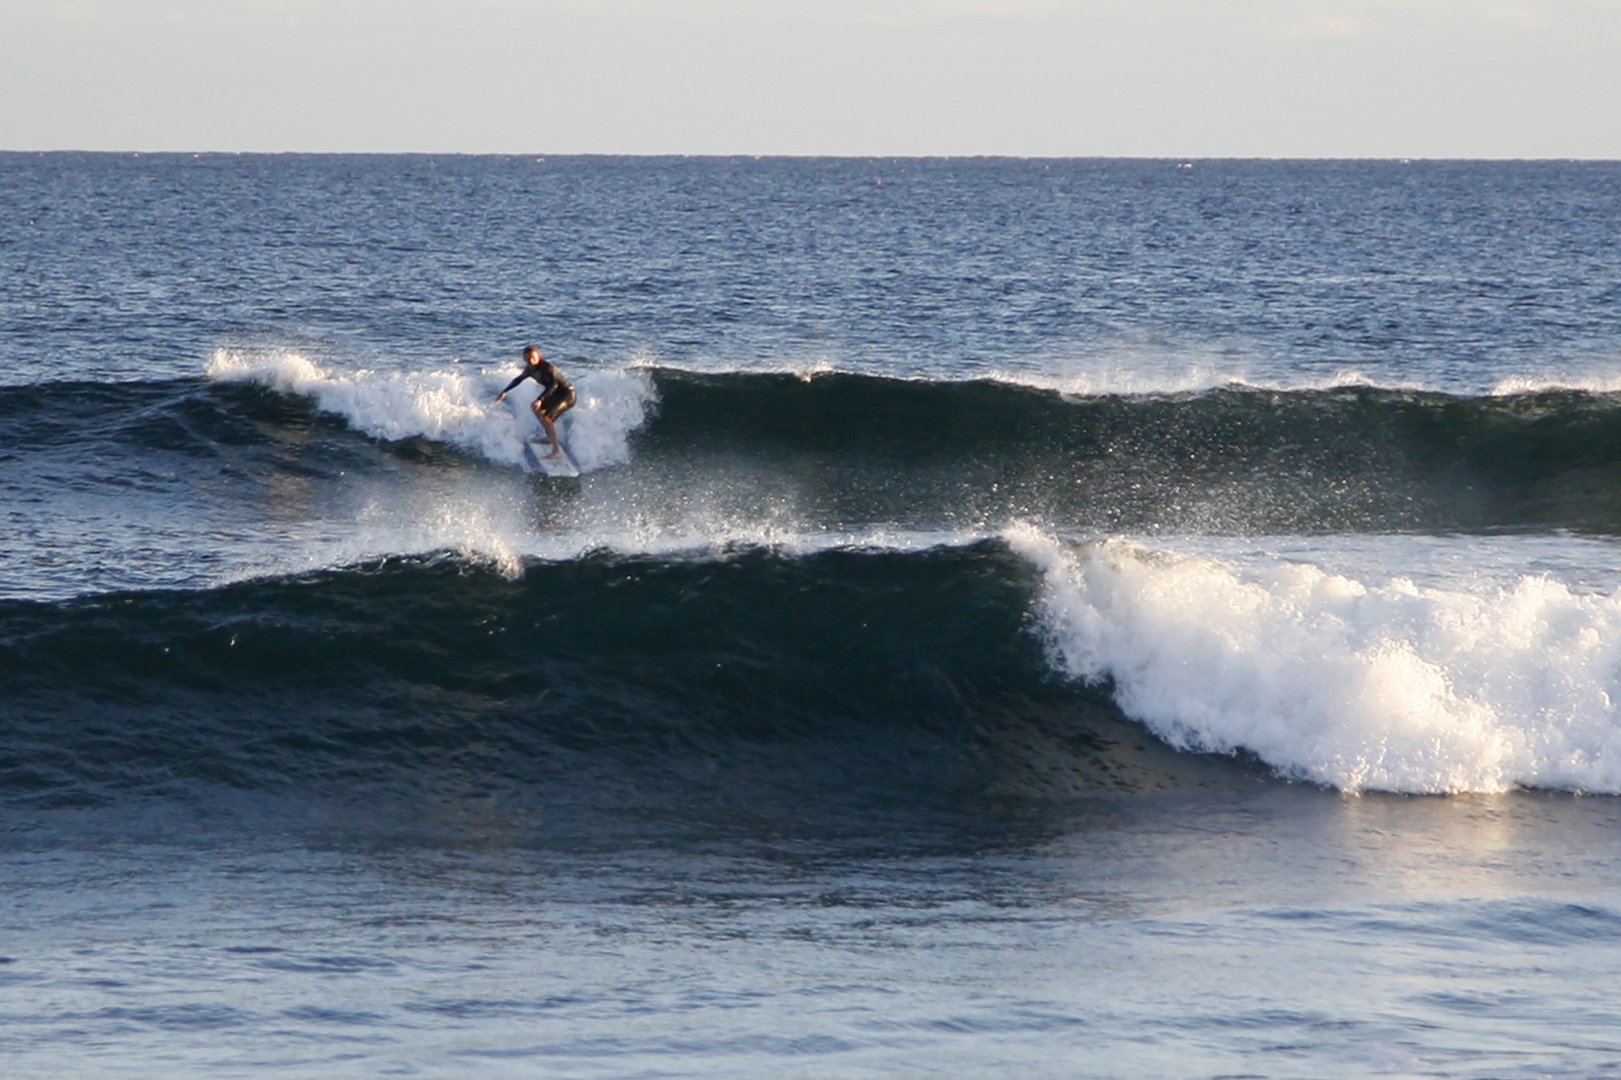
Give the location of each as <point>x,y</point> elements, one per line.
<point>556,394</point>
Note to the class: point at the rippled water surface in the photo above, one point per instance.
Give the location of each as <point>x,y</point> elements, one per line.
<point>1017,618</point>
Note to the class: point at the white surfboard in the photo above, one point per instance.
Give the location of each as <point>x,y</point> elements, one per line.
<point>535,457</point>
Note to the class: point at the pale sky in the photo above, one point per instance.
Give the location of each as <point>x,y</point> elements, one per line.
<point>1157,78</point>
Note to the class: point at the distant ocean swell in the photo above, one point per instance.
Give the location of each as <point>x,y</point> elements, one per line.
<point>1010,666</point>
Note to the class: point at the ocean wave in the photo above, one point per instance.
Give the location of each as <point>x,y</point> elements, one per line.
<point>842,671</point>
<point>669,453</point>
<point>1019,667</point>
<point>1351,457</point>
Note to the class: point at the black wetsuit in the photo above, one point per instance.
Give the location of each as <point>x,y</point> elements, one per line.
<point>554,389</point>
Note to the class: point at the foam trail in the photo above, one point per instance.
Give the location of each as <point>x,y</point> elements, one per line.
<point>1596,383</point>
<point>1389,687</point>
<point>1125,380</point>
<point>455,407</point>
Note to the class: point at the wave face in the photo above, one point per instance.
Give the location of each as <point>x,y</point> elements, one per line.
<point>1352,458</point>
<point>913,674</point>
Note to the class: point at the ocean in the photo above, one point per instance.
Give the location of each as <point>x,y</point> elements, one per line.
<point>1039,618</point>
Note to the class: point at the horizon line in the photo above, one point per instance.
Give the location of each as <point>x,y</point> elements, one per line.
<point>541,155</point>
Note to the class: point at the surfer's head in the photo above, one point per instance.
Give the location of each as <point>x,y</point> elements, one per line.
<point>532,357</point>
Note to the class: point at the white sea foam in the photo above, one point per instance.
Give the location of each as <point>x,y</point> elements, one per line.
<point>457,407</point>
<point>1126,380</point>
<point>1594,383</point>
<point>1119,377</point>
<point>1387,686</point>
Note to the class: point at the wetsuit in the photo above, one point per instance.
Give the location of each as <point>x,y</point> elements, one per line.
<point>556,392</point>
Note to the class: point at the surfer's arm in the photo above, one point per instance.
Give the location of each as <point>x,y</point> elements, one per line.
<point>510,385</point>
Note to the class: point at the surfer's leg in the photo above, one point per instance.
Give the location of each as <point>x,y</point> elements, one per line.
<point>538,407</point>
<point>551,434</point>
<point>548,418</point>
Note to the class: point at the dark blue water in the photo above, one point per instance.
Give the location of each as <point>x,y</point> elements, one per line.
<point>1453,274</point>
<point>1071,618</point>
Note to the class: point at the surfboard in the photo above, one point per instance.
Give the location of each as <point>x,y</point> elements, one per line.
<point>538,462</point>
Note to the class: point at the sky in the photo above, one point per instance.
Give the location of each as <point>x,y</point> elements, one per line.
<point>1062,78</point>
